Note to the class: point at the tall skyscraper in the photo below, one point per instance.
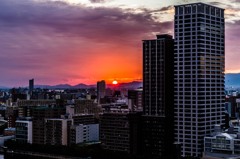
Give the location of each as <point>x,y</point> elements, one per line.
<point>198,74</point>
<point>158,59</point>
<point>101,90</point>
<point>31,85</point>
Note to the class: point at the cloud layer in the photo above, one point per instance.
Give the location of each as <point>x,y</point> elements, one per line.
<point>56,42</point>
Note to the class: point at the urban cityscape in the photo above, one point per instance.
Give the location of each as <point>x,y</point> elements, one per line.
<point>184,105</point>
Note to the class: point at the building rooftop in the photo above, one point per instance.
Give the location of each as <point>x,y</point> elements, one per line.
<point>198,3</point>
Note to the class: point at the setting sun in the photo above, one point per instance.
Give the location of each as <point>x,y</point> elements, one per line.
<point>115,82</point>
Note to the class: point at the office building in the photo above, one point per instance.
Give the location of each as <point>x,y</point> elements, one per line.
<point>135,100</point>
<point>86,106</point>
<point>84,133</point>
<point>39,115</point>
<point>24,130</point>
<point>232,106</point>
<point>223,144</point>
<point>158,59</point>
<point>101,90</point>
<point>120,132</point>
<point>31,86</point>
<point>84,119</point>
<point>25,106</point>
<point>198,74</point>
<point>57,131</point>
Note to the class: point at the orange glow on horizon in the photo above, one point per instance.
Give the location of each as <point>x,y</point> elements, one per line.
<point>107,65</point>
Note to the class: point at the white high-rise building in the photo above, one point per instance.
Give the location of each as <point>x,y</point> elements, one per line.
<point>198,74</point>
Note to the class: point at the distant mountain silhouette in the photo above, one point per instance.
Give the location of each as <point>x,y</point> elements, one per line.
<point>65,86</point>
<point>3,87</point>
<point>130,85</point>
<point>232,80</point>
<point>82,85</point>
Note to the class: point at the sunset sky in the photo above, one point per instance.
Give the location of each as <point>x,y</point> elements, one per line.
<point>83,41</point>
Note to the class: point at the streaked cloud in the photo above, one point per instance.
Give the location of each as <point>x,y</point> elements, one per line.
<point>56,41</point>
<point>72,41</point>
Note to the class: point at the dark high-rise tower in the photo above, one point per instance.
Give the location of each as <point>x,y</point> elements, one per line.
<point>158,58</point>
<point>31,85</point>
<point>198,74</point>
<point>101,90</point>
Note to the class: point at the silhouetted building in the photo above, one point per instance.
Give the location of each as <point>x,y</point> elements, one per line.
<point>83,119</point>
<point>25,106</point>
<point>86,106</point>
<point>198,75</point>
<point>120,132</point>
<point>24,130</point>
<point>232,106</point>
<point>101,90</point>
<point>31,86</point>
<point>11,115</point>
<point>39,116</point>
<point>158,132</point>
<point>135,100</point>
<point>57,131</point>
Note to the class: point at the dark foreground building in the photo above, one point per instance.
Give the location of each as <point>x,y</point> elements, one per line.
<point>120,132</point>
<point>157,121</point>
<point>39,115</point>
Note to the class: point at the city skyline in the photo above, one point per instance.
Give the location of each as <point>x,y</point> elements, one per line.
<point>71,42</point>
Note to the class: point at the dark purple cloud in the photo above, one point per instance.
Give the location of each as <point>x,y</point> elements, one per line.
<point>55,41</point>
<point>79,20</point>
<point>232,46</point>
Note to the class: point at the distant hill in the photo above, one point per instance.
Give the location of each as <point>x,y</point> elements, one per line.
<point>130,85</point>
<point>65,86</point>
<point>232,80</point>
<point>3,87</point>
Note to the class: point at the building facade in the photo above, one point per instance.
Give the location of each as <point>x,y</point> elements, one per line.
<point>157,120</point>
<point>223,144</point>
<point>120,132</point>
<point>198,74</point>
<point>40,114</point>
<point>101,90</point>
<point>115,132</point>
<point>84,133</point>
<point>135,100</point>
<point>24,130</point>
<point>31,86</point>
<point>57,131</point>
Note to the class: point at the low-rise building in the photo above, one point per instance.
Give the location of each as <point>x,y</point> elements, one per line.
<point>84,133</point>
<point>9,131</point>
<point>222,144</point>
<point>57,131</point>
<point>24,130</point>
<point>120,132</point>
